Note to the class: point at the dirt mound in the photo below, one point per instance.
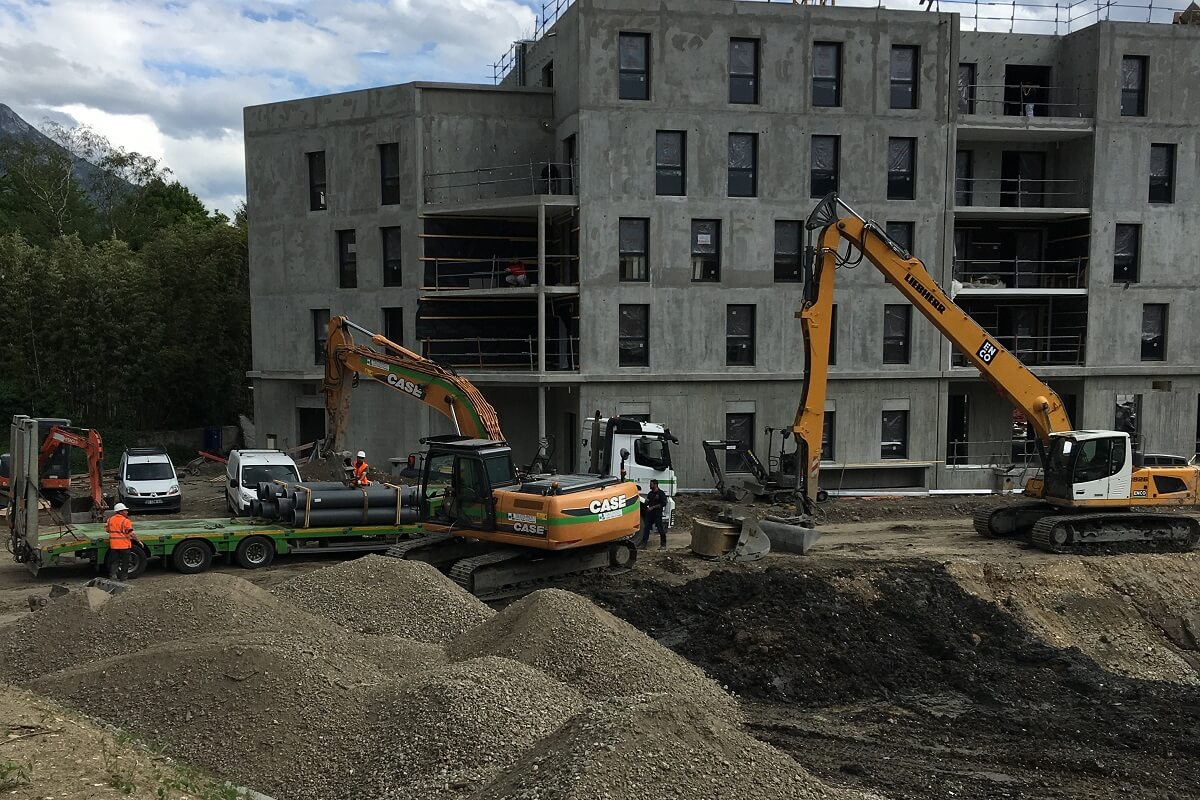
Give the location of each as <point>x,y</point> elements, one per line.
<point>440,735</point>
<point>280,712</point>
<point>650,747</point>
<point>69,631</point>
<point>381,595</point>
<point>570,638</point>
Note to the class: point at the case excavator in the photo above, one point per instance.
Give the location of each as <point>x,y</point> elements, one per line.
<point>492,529</point>
<point>1092,494</point>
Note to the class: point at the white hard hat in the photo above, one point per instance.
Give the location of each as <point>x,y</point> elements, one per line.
<point>119,507</point>
<point>361,454</point>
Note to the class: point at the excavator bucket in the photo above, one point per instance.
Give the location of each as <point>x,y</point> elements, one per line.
<point>733,536</point>
<point>752,543</point>
<point>790,534</point>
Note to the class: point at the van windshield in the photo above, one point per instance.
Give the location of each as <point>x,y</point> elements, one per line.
<point>154,471</point>
<point>254,474</point>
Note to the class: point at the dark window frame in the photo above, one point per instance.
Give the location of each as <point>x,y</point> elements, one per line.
<point>734,460</point>
<point>393,264</point>
<point>389,328</point>
<point>789,266</point>
<point>964,185</point>
<point>744,179</point>
<point>966,91</point>
<point>1127,266</point>
<point>320,323</point>
<point>318,181</point>
<point>1162,187</point>
<point>1133,98</point>
<point>823,181</point>
<point>740,82</point>
<point>833,335</point>
<point>640,341</point>
<point>740,343</point>
<point>1153,350</point>
<point>627,76</point>
<point>347,258</point>
<point>667,174</point>
<point>623,253</point>
<point>910,86</point>
<point>827,85</point>
<point>706,266</point>
<point>389,181</point>
<point>899,345</point>
<point>828,435</point>
<point>892,228</point>
<point>899,179</point>
<point>905,419</point>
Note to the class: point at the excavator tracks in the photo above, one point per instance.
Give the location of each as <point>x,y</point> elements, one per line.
<point>1016,519</point>
<point>1117,532</point>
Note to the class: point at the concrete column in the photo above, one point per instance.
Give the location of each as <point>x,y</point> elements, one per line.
<point>541,395</point>
<point>541,319</point>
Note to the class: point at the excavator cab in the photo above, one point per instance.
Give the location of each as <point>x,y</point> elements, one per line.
<point>1088,465</point>
<point>459,480</point>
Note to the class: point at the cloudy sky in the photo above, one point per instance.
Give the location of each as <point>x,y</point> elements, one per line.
<point>170,78</point>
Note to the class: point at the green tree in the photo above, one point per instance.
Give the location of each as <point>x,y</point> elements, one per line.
<point>41,195</point>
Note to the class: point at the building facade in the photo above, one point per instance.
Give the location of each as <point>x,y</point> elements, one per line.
<point>617,226</point>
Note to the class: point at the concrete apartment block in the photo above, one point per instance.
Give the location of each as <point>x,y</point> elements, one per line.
<point>1025,180</point>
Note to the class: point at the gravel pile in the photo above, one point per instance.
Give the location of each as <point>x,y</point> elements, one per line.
<point>653,747</point>
<point>441,735</point>
<point>572,639</point>
<point>71,630</point>
<point>381,595</point>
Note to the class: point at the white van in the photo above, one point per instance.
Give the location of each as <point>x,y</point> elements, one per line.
<point>146,480</point>
<point>248,468</point>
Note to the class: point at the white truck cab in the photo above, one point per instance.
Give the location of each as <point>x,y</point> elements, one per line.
<point>1089,465</point>
<point>629,448</point>
<point>248,468</point>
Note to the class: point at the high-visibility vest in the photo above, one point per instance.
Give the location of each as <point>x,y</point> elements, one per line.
<point>360,474</point>
<point>120,532</point>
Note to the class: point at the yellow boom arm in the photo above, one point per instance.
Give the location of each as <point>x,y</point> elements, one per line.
<point>406,372</point>
<point>1042,406</point>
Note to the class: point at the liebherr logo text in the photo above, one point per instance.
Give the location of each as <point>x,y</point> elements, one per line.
<point>928,295</point>
<point>609,507</point>
<point>405,385</point>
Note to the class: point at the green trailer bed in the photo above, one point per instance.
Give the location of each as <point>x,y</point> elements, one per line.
<point>192,545</point>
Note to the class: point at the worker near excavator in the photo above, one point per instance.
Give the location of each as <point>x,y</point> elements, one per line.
<point>120,543</point>
<point>652,516</point>
<point>360,479</point>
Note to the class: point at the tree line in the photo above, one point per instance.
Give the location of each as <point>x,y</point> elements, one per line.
<point>124,303</point>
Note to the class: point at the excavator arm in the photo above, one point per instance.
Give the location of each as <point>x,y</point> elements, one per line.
<point>91,444</point>
<point>404,371</point>
<point>833,222</point>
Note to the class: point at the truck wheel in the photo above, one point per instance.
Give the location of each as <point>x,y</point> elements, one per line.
<point>140,560</point>
<point>192,556</point>
<point>255,552</point>
<point>822,495</point>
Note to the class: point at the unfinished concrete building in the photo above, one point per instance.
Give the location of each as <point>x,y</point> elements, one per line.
<point>617,226</point>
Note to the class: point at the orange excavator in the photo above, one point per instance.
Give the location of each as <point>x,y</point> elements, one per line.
<point>54,464</point>
<point>1092,492</point>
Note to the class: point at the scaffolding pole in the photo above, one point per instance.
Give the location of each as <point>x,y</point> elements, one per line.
<point>541,318</point>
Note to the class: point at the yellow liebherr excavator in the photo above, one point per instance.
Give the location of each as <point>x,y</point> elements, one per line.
<point>1090,494</point>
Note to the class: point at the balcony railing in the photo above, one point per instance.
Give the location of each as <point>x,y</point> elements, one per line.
<point>1020,192</point>
<point>1021,100</point>
<point>1018,273</point>
<point>494,273</point>
<point>562,353</point>
<point>511,180</point>
<point>1056,350</point>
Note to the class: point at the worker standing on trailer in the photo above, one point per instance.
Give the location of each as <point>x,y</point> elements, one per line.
<point>360,479</point>
<point>120,543</point>
<point>652,516</point>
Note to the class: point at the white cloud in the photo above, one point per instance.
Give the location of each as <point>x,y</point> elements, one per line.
<point>170,79</point>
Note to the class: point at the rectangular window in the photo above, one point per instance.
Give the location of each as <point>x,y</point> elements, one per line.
<point>739,336</point>
<point>316,181</point>
<point>634,235</point>
<point>1133,86</point>
<point>743,164</point>
<point>897,326</point>
<point>1162,173</point>
<point>738,428</point>
<point>905,67</point>
<point>1126,250</point>
<point>894,441</point>
<point>743,71</point>
<point>320,323</point>
<point>902,165</point>
<point>389,173</point>
<point>392,275</point>
<point>634,66</point>
<point>788,266</point>
<point>823,165</point>
<point>827,74</point>
<point>393,324</point>
<point>833,338</point>
<point>966,88</point>
<point>706,250</point>
<point>964,177</point>
<point>347,252</point>
<point>634,336</point>
<point>1127,417</point>
<point>828,429</point>
<point>902,234</point>
<point>670,163</point>
<point>1154,331</point>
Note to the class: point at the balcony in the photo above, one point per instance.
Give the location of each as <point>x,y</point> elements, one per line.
<point>1049,331</point>
<point>516,274</point>
<point>500,331</point>
<point>1017,274</point>
<point>562,355</point>
<point>1021,258</point>
<point>557,179</point>
<point>1018,196</point>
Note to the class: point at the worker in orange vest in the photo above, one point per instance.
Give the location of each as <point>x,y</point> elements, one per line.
<point>360,480</point>
<point>120,543</point>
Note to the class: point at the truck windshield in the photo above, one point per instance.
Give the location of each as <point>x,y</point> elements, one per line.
<point>652,452</point>
<point>254,474</point>
<point>154,471</point>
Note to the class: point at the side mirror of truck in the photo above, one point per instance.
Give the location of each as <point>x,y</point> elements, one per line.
<point>233,482</point>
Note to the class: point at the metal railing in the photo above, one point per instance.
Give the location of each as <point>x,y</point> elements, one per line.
<point>1022,100</point>
<point>1065,349</point>
<point>1020,192</point>
<point>562,353</point>
<point>493,273</point>
<point>510,180</point>
<point>1019,273</point>
<point>1014,452</point>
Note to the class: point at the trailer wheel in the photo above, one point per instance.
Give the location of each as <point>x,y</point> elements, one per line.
<point>140,560</point>
<point>822,495</point>
<point>192,556</point>
<point>255,552</point>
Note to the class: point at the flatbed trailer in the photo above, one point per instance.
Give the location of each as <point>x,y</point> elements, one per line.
<point>192,545</point>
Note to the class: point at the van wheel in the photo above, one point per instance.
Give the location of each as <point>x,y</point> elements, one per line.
<point>255,552</point>
<point>192,556</point>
